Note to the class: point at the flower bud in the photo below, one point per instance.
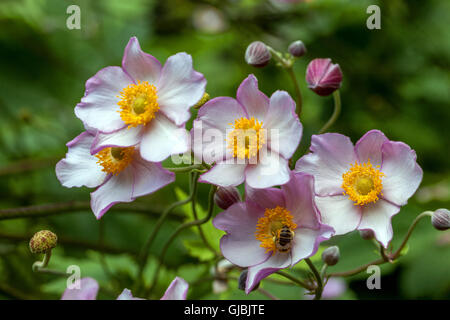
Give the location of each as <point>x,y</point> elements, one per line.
<point>43,241</point>
<point>331,255</point>
<point>226,197</point>
<point>243,280</point>
<point>323,77</point>
<point>441,219</point>
<point>297,49</point>
<point>202,101</point>
<point>366,234</point>
<point>257,54</point>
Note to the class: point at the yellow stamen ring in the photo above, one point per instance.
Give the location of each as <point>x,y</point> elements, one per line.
<point>115,159</point>
<point>362,183</point>
<point>247,138</point>
<point>269,226</point>
<point>138,104</point>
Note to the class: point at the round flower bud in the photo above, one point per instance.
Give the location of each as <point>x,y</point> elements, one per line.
<point>43,241</point>
<point>257,54</point>
<point>226,197</point>
<point>297,49</point>
<point>441,219</point>
<point>366,234</point>
<point>331,255</point>
<point>323,77</point>
<point>243,280</point>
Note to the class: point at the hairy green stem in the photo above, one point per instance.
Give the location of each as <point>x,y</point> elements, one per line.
<point>316,273</point>
<point>336,112</point>
<point>44,263</point>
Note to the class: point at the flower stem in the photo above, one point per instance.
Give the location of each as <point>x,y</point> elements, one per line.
<point>336,112</point>
<point>316,273</point>
<point>178,231</point>
<point>295,280</point>
<point>44,263</point>
<point>390,257</point>
<point>186,169</point>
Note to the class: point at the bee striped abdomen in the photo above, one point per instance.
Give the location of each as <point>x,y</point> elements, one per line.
<point>284,240</point>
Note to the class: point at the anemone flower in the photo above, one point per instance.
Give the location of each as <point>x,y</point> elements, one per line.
<point>254,137</point>
<point>119,174</point>
<point>363,186</point>
<point>273,229</point>
<point>142,103</point>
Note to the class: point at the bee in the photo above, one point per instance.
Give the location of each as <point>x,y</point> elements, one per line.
<point>283,239</point>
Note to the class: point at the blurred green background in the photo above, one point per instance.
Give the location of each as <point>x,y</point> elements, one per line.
<point>395,79</point>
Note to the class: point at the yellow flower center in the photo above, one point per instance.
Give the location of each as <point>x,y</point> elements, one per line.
<point>362,183</point>
<point>138,104</point>
<point>269,226</point>
<point>247,138</point>
<point>114,160</point>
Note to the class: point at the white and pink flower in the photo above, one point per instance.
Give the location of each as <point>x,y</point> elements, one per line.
<point>363,186</point>
<point>142,103</point>
<point>258,229</point>
<point>249,138</point>
<point>119,174</point>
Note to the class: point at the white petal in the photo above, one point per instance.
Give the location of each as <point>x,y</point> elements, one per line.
<point>331,156</point>
<point>149,177</point>
<point>162,138</point>
<point>79,167</point>
<point>125,137</point>
<point>225,174</point>
<point>257,273</point>
<point>306,242</point>
<point>339,212</point>
<point>118,188</point>
<point>98,109</point>
<point>254,101</point>
<point>402,173</point>
<point>180,88</point>
<point>177,290</point>
<point>284,129</point>
<point>377,217</point>
<point>369,147</point>
<point>272,169</point>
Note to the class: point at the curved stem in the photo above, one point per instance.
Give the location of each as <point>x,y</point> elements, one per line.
<point>390,257</point>
<point>336,112</point>
<point>44,263</point>
<point>295,280</point>
<point>186,169</point>
<point>316,273</point>
<point>298,93</point>
<point>178,231</point>
<point>146,249</point>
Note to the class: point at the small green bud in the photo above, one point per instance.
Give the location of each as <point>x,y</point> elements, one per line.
<point>331,255</point>
<point>43,241</point>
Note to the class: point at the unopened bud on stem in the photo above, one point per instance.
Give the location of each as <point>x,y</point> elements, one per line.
<point>331,255</point>
<point>297,49</point>
<point>257,54</point>
<point>243,280</point>
<point>441,219</point>
<point>43,241</point>
<point>226,197</point>
<point>367,234</point>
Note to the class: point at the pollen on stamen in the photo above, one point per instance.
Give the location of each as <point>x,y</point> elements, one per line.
<point>269,226</point>
<point>362,183</point>
<point>138,104</point>
<point>115,159</point>
<point>247,138</point>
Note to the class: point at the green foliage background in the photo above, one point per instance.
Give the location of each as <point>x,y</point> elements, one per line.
<point>395,79</point>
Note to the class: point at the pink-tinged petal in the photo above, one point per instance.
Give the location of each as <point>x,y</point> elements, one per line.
<point>377,217</point>
<point>208,143</point>
<point>140,65</point>
<point>162,138</point>
<point>220,113</point>
<point>369,147</point>
<point>149,177</point>
<point>254,101</point>
<point>225,174</point>
<point>330,157</point>
<point>299,194</point>
<point>334,288</point>
<point>240,245</point>
<point>118,188</point>
<point>180,87</point>
<point>127,295</point>
<point>272,169</point>
<point>284,130</point>
<point>339,212</point>
<point>177,290</point>
<point>307,241</point>
<point>402,173</point>
<point>125,137</point>
<point>79,167</point>
<point>88,290</point>
<point>258,272</point>
<point>98,109</point>
<point>266,198</point>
